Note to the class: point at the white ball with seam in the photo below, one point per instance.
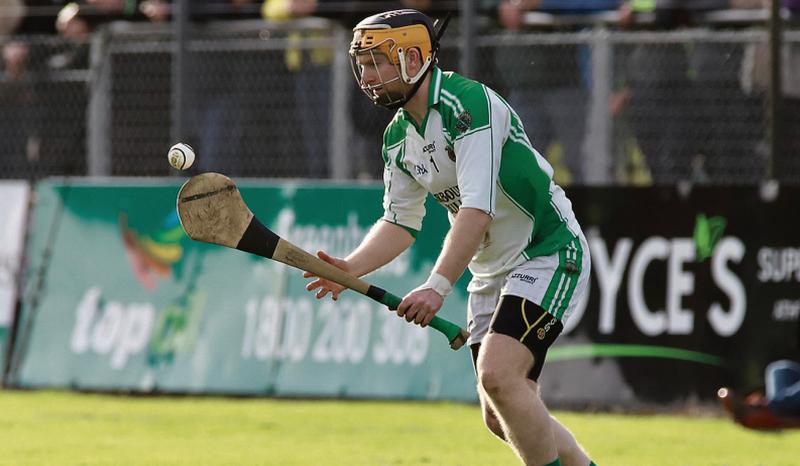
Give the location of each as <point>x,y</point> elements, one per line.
<point>181,156</point>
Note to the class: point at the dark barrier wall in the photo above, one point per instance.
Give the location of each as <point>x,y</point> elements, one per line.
<point>689,291</point>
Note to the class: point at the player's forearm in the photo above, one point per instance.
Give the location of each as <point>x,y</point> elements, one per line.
<point>384,242</point>
<point>462,242</point>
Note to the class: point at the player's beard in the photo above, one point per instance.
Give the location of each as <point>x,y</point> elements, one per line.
<point>389,98</point>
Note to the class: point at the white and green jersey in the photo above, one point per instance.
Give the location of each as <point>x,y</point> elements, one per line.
<point>472,151</point>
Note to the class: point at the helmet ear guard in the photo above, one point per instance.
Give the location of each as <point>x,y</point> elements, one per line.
<point>404,73</point>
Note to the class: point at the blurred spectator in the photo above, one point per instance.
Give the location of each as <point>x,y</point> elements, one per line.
<point>787,165</point>
<point>16,84</point>
<point>16,96</point>
<point>548,85</point>
<point>756,81</point>
<point>309,75</point>
<point>11,14</point>
<point>156,10</point>
<point>40,16</point>
<point>217,95</point>
<point>15,58</point>
<point>311,80</point>
<point>420,5</point>
<point>57,144</point>
<point>35,100</point>
<point>160,10</point>
<point>731,129</point>
<point>13,96</point>
<point>76,30</point>
<point>63,102</point>
<point>657,98</point>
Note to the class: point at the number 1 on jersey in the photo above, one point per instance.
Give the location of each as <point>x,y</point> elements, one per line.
<point>434,164</point>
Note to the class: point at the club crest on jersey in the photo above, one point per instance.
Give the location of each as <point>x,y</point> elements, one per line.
<point>450,153</point>
<point>464,122</point>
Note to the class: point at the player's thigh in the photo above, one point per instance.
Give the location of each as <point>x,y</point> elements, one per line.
<point>521,332</point>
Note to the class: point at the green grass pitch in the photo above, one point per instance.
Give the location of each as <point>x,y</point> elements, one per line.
<point>58,428</point>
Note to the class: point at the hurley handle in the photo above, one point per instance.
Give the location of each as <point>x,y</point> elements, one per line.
<point>455,334</point>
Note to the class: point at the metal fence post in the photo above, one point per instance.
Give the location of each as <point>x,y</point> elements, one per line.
<point>467,41</point>
<point>180,25</point>
<point>775,89</point>
<point>340,133</point>
<point>597,145</point>
<point>98,115</point>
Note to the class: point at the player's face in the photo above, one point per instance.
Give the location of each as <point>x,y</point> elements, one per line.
<point>375,69</point>
<point>378,77</point>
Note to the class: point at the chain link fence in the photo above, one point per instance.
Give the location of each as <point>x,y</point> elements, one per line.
<point>257,100</point>
<point>683,112</point>
<point>649,107</point>
<point>278,100</point>
<point>43,101</point>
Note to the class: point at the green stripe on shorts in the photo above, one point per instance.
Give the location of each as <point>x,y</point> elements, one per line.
<point>563,288</point>
<point>565,279</point>
<point>556,282</point>
<point>575,250</point>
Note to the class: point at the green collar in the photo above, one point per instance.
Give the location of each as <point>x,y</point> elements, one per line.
<point>435,87</point>
<point>434,91</point>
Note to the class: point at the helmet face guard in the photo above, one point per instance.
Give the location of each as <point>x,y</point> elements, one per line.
<point>391,35</point>
<point>377,92</point>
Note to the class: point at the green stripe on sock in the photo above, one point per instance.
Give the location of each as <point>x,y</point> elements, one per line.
<point>592,464</point>
<point>557,462</point>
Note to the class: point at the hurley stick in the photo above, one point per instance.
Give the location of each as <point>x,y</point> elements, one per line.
<point>212,210</point>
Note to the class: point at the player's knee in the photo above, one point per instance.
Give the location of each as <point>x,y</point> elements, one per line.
<point>494,381</point>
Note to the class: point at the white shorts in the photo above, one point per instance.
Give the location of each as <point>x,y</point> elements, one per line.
<point>557,283</point>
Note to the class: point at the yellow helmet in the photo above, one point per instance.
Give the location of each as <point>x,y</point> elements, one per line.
<point>391,34</point>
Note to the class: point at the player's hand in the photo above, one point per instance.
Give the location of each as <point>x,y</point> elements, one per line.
<point>618,101</point>
<point>155,10</point>
<point>326,286</point>
<point>627,17</point>
<point>420,306</point>
<point>300,8</point>
<point>510,14</point>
